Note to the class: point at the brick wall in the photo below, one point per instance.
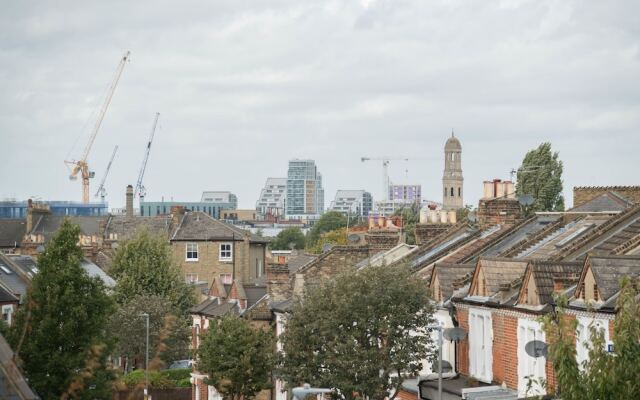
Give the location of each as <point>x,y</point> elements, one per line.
<point>498,211</point>
<point>582,194</point>
<point>381,240</point>
<point>426,232</point>
<point>278,284</point>
<point>505,349</point>
<point>328,265</point>
<point>463,347</point>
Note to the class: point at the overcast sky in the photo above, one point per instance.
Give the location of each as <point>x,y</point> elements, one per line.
<point>244,86</point>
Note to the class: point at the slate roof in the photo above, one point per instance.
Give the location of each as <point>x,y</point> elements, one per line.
<point>11,278</point>
<point>96,272</point>
<point>48,224</point>
<point>627,233</point>
<point>211,308</point>
<point>197,225</point>
<point>528,229</point>
<point>299,261</point>
<point>126,227</point>
<point>499,272</point>
<point>469,251</point>
<point>26,263</point>
<point>544,274</point>
<point>11,232</point>
<point>388,257</point>
<point>608,201</point>
<point>608,270</point>
<point>561,238</point>
<point>449,273</point>
<point>13,385</point>
<point>254,293</point>
<point>6,296</point>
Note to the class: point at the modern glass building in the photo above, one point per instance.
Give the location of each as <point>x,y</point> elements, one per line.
<point>352,202</point>
<point>305,195</point>
<point>18,209</point>
<point>152,208</point>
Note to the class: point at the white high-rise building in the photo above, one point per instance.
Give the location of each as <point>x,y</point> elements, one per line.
<point>353,202</point>
<point>272,197</point>
<point>305,195</point>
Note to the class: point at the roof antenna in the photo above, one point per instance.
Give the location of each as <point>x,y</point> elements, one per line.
<point>452,132</point>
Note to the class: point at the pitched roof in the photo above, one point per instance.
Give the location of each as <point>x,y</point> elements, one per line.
<point>211,308</point>
<point>299,261</point>
<point>197,225</point>
<point>448,274</point>
<point>13,385</point>
<point>254,293</point>
<point>388,257</point>
<point>469,251</point>
<point>545,273</point>
<point>609,270</point>
<point>11,278</point>
<point>120,227</point>
<point>11,232</point>
<point>96,272</point>
<point>6,296</point>
<point>498,271</point>
<point>608,201</point>
<point>47,225</point>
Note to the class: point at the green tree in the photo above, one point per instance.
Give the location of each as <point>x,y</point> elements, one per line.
<point>336,237</point>
<point>60,334</point>
<point>604,375</point>
<point>286,238</point>
<point>540,176</point>
<point>361,333</point>
<point>237,358</point>
<point>410,218</point>
<point>168,339</point>
<point>143,266</point>
<point>329,221</point>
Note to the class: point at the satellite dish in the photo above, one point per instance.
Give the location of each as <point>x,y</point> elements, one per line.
<point>454,334</point>
<point>526,200</point>
<point>536,348</point>
<point>353,238</point>
<point>472,217</point>
<point>326,247</point>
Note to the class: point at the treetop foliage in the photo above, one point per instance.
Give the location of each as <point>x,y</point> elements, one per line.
<point>329,221</point>
<point>540,176</point>
<point>143,266</point>
<point>288,237</point>
<point>237,358</point>
<point>604,375</point>
<point>361,333</point>
<point>60,333</point>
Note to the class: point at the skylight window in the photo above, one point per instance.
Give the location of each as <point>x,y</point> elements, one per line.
<point>574,235</point>
<point>5,269</point>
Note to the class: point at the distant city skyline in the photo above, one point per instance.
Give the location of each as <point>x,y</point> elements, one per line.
<point>245,87</point>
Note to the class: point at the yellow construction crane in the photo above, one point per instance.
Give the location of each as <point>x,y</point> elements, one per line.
<point>81,166</point>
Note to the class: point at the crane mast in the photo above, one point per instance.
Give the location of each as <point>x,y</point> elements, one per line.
<point>140,189</point>
<point>102,192</point>
<point>81,166</point>
<point>385,172</point>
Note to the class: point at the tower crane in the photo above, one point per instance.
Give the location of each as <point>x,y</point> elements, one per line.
<point>385,171</point>
<point>81,166</point>
<point>102,192</point>
<point>140,189</point>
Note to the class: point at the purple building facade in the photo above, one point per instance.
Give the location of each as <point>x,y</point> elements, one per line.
<point>405,193</point>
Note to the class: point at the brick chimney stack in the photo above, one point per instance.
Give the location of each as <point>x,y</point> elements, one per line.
<point>129,204</point>
<point>278,283</point>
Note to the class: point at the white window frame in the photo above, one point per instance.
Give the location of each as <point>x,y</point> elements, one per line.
<point>225,281</point>
<point>583,336</point>
<point>187,251</point>
<point>230,251</point>
<point>481,344</point>
<point>189,277</point>
<point>8,310</point>
<point>528,366</point>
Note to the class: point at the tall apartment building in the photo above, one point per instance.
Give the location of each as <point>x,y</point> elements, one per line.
<point>353,202</point>
<point>272,197</point>
<point>407,194</point>
<point>305,195</point>
<point>220,197</point>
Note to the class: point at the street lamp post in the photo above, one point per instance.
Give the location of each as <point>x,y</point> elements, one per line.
<point>146,364</point>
